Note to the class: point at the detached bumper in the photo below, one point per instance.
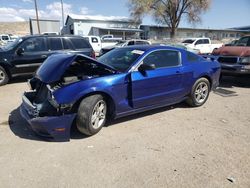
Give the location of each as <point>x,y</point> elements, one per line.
<point>52,127</point>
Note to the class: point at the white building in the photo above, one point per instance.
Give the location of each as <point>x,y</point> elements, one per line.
<point>100,25</point>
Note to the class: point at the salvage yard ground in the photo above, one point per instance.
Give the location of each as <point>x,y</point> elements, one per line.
<point>175,146</point>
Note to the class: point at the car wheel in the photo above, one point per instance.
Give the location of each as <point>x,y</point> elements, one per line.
<point>91,115</point>
<point>4,77</point>
<point>200,92</point>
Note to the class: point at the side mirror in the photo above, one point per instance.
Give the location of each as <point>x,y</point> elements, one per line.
<point>20,51</point>
<point>145,67</point>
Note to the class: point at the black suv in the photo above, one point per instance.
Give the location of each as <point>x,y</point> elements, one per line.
<point>26,54</point>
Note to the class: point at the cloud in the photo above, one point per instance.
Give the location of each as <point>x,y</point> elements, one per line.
<point>13,14</point>
<point>27,1</point>
<point>84,10</point>
<point>51,11</point>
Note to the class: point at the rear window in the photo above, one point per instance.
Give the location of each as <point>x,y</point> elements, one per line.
<point>80,43</point>
<point>94,40</point>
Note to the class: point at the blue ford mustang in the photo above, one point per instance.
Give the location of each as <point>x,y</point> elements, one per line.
<point>75,88</point>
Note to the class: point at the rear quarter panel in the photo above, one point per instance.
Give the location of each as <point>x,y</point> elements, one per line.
<point>200,68</point>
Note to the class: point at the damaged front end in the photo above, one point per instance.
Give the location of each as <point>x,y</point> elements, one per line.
<point>46,116</point>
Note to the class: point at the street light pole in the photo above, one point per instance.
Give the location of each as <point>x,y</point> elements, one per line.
<point>62,13</point>
<point>37,20</point>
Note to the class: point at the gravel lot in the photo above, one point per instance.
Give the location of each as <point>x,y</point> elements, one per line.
<point>176,146</point>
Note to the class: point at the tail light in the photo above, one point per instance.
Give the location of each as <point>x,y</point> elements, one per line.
<point>93,54</point>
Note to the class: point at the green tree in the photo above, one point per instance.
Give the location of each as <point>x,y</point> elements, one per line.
<point>169,12</point>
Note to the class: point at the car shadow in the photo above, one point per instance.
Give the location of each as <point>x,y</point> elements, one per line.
<point>229,82</point>
<point>235,81</point>
<point>147,113</point>
<point>19,79</point>
<point>21,128</point>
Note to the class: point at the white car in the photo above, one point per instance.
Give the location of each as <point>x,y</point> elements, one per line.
<point>4,39</point>
<point>204,45</point>
<point>125,43</point>
<point>97,44</point>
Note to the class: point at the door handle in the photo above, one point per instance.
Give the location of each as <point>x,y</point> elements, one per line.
<point>43,56</point>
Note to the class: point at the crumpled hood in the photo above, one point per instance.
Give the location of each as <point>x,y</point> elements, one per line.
<point>55,65</point>
<point>240,51</point>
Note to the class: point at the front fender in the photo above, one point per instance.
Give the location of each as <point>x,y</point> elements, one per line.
<point>73,92</point>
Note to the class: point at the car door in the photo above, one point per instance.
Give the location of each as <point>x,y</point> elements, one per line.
<point>199,45</point>
<point>207,46</point>
<point>29,55</point>
<point>203,45</point>
<point>161,85</point>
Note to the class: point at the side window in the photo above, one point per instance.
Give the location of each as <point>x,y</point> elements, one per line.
<point>79,43</point>
<point>66,44</point>
<point>163,58</point>
<point>34,45</point>
<point>205,41</point>
<point>94,40</point>
<point>55,43</point>
<point>199,42</point>
<point>86,38</point>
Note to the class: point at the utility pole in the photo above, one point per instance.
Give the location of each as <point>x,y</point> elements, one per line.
<point>37,20</point>
<point>62,13</point>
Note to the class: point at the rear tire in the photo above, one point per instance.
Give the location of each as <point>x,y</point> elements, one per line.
<point>4,77</point>
<point>200,92</point>
<point>91,115</point>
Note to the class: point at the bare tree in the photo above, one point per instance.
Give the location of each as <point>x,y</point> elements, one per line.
<point>169,12</point>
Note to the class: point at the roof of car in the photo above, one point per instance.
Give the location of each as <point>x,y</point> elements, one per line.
<point>151,47</point>
<point>31,36</point>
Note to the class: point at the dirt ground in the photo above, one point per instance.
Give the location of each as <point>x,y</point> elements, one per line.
<point>175,146</point>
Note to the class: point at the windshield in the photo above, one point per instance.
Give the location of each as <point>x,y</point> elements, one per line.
<point>188,41</point>
<point>121,58</point>
<point>11,45</point>
<point>244,41</point>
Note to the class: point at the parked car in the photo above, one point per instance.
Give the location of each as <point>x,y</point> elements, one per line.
<point>203,44</point>
<point>97,44</point>
<point>71,88</point>
<point>124,43</point>
<point>196,51</point>
<point>4,39</point>
<point>110,37</point>
<point>235,60</point>
<point>26,54</point>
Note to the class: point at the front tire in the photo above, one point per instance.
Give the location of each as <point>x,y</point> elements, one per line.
<point>91,115</point>
<point>4,77</point>
<point>200,92</point>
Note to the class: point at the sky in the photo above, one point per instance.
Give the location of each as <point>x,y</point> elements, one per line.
<point>222,13</point>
